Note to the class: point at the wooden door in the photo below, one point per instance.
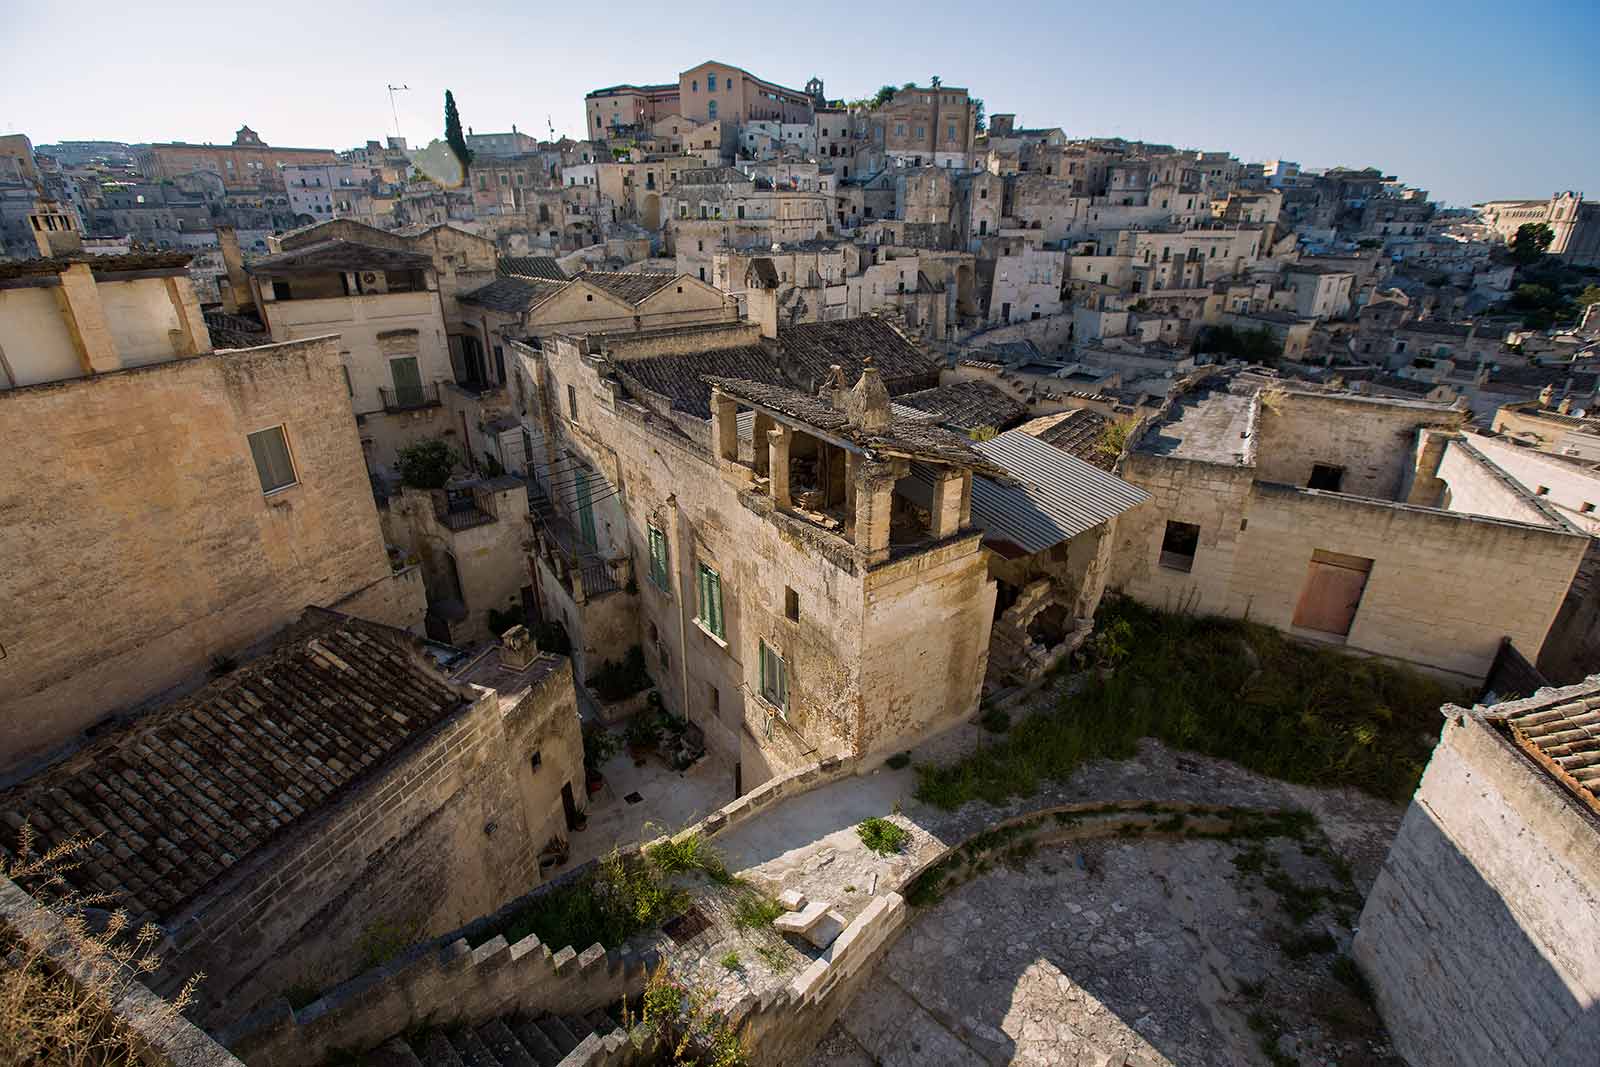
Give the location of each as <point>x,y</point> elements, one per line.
<point>1332,593</point>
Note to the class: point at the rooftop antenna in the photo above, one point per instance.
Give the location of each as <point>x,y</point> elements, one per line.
<point>392,90</point>
<point>550,123</point>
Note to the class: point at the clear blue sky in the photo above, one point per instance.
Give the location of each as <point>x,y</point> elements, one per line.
<point>1469,100</point>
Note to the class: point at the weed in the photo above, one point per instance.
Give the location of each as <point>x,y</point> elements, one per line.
<point>1252,990</point>
<point>756,912</point>
<point>688,853</point>
<point>731,962</point>
<point>1349,975</point>
<point>1251,860</point>
<point>774,956</point>
<point>882,836</point>
<point>849,889</point>
<point>1223,688</point>
<point>898,760</point>
<point>1300,901</point>
<point>622,896</point>
<point>1172,824</point>
<point>1299,946</point>
<point>996,720</point>
<point>927,888</point>
<point>1017,856</point>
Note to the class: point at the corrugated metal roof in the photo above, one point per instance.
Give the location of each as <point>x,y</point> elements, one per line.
<point>1057,496</point>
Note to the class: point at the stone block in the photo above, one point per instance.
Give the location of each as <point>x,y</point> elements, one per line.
<point>792,899</point>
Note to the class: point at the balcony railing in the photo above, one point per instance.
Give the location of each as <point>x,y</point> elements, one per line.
<point>409,397</point>
<point>582,572</point>
<point>463,510</point>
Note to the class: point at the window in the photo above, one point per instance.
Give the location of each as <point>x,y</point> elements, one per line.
<point>1325,476</point>
<point>1587,508</point>
<point>572,402</point>
<point>774,679</point>
<point>791,604</point>
<point>658,559</point>
<point>1178,546</point>
<point>535,761</point>
<point>1543,490</point>
<point>711,110</point>
<point>407,381</point>
<point>274,466</point>
<point>711,83</point>
<point>710,615</point>
<point>715,696</point>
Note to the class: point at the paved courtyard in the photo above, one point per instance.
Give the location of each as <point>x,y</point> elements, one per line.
<point>667,801</point>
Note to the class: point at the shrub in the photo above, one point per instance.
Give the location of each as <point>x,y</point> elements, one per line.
<point>427,464</point>
<point>1224,688</point>
<point>688,853</point>
<point>599,745</point>
<point>756,912</point>
<point>731,961</point>
<point>620,680</point>
<point>996,720</point>
<point>552,637</point>
<point>882,836</point>
<point>624,895</point>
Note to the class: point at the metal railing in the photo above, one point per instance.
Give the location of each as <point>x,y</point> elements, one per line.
<point>582,571</point>
<point>409,397</point>
<point>463,510</point>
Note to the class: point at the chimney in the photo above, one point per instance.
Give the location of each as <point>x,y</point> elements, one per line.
<point>238,295</point>
<point>835,389</point>
<point>1547,394</point>
<point>867,405</point>
<point>517,649</point>
<point>1565,407</point>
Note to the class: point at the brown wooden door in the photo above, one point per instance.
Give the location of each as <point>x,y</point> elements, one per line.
<point>1332,593</point>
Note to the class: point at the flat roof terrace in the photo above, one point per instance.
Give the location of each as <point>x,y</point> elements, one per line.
<point>1208,426</point>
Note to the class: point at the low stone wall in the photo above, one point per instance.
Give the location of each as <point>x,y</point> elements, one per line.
<point>445,981</point>
<point>166,1038</point>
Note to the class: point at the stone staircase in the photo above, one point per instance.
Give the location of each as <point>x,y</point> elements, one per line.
<point>510,1041</point>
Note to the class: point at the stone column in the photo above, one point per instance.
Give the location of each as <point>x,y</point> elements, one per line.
<point>778,440</point>
<point>945,517</point>
<point>86,320</point>
<point>191,337</point>
<point>874,507</point>
<point>763,425</point>
<point>724,416</point>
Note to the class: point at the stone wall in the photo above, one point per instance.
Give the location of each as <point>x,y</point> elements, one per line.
<point>450,831</point>
<point>1443,589</point>
<point>1371,439</point>
<point>1478,936</point>
<point>139,544</point>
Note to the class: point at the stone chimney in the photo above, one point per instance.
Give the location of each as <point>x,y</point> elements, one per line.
<point>1565,407</point>
<point>867,405</point>
<point>835,390</point>
<point>238,295</point>
<point>517,649</point>
<point>1547,394</point>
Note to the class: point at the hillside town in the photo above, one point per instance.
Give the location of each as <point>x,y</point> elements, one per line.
<point>779,579</point>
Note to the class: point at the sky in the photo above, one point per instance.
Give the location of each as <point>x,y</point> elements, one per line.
<point>1469,100</point>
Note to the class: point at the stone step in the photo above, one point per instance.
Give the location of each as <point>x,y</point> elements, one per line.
<point>392,1053</point>
<point>472,1050</point>
<point>579,1027</point>
<point>817,922</point>
<point>438,1052</point>
<point>504,1044</point>
<point>599,1022</point>
<point>556,1030</point>
<point>544,1051</point>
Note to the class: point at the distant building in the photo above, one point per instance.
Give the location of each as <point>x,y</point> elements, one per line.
<point>247,163</point>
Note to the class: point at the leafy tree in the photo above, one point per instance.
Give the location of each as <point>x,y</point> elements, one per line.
<point>884,95</point>
<point>452,131</point>
<point>1590,295</point>
<point>981,116</point>
<point>427,464</point>
<point>1253,346</point>
<point>1531,241</point>
<point>908,85</point>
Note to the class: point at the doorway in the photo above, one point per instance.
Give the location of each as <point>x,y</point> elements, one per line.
<point>1332,593</point>
<point>568,806</point>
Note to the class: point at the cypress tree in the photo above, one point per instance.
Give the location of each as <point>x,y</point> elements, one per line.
<point>452,131</point>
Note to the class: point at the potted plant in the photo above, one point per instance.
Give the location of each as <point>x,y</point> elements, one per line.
<point>599,745</point>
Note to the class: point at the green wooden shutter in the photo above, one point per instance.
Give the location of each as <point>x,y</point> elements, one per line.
<point>407,381</point>
<point>658,557</point>
<point>716,604</point>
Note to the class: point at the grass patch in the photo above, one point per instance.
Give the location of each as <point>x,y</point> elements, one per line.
<point>996,720</point>
<point>731,962</point>
<point>898,760</point>
<point>882,836</point>
<point>621,897</point>
<point>688,853</point>
<point>928,888</point>
<point>1299,946</point>
<point>774,956</point>
<point>1220,687</point>
<point>756,912</point>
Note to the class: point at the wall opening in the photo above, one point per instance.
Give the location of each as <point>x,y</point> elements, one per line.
<point>1332,592</point>
<point>1178,546</point>
<point>1325,476</point>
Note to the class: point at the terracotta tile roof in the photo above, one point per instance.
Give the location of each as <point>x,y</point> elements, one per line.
<point>169,261</point>
<point>544,267</point>
<point>1075,432</point>
<point>968,405</point>
<point>1560,730</point>
<point>711,176</point>
<point>191,789</point>
<point>681,376</point>
<point>811,348</point>
<point>339,256</point>
<point>634,287</point>
<point>512,295</point>
<point>914,438</point>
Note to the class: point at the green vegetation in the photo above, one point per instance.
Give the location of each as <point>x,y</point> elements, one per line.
<point>614,680</point>
<point>996,720</point>
<point>882,836</point>
<point>599,745</point>
<point>1349,975</point>
<point>452,132</point>
<point>1113,439</point>
<point>621,897</point>
<point>552,637</point>
<point>731,961</point>
<point>898,761</point>
<point>1531,241</point>
<point>688,853</point>
<point>756,912</point>
<point>687,1031</point>
<point>775,956</point>
<point>427,464</point>
<point>1252,346</point>
<point>1224,688</point>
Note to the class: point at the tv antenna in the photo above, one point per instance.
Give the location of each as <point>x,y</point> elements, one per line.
<point>550,123</point>
<point>392,90</point>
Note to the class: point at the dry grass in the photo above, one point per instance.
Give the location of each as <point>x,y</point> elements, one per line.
<point>49,1016</point>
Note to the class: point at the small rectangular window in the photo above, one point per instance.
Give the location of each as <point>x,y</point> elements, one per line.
<point>572,402</point>
<point>710,615</point>
<point>774,679</point>
<point>1544,490</point>
<point>658,558</point>
<point>791,604</point>
<point>1587,508</point>
<point>274,466</point>
<point>1325,476</point>
<point>534,762</point>
<point>1178,546</point>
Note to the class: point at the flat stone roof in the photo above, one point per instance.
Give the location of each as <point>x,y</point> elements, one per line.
<point>1208,425</point>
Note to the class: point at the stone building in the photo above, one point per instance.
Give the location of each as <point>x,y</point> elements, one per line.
<point>221,493</point>
<point>801,596</point>
<point>331,792</point>
<point>1324,515</point>
<point>247,163</point>
<point>722,208</point>
<point>1475,937</point>
<point>931,125</point>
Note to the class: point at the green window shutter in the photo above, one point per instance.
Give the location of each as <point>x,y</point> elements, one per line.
<point>658,557</point>
<point>716,604</point>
